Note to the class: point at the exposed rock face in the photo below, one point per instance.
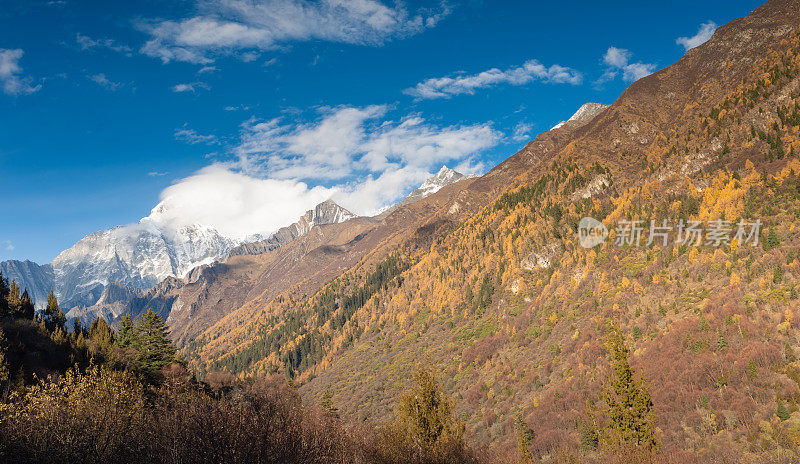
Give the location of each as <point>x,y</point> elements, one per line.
<point>37,279</point>
<point>327,212</point>
<point>139,256</point>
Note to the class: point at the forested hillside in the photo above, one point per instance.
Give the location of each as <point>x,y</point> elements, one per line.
<point>513,313</point>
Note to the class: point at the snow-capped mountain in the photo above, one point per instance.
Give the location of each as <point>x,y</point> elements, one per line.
<point>138,255</point>
<point>586,112</point>
<point>327,212</point>
<point>441,179</point>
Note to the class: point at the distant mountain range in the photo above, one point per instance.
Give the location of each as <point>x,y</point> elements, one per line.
<point>112,266</point>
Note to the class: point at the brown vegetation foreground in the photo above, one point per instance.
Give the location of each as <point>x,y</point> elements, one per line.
<point>108,416</point>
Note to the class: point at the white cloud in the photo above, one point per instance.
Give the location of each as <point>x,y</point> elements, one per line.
<point>346,140</point>
<point>207,69</point>
<point>355,155</point>
<point>87,43</point>
<point>192,137</point>
<point>522,132</point>
<point>445,87</point>
<point>228,27</point>
<point>703,34</point>
<point>237,108</point>
<point>189,87</point>
<point>157,174</point>
<point>10,74</point>
<point>235,204</point>
<point>617,61</point>
<point>105,82</point>
<point>369,195</point>
<point>8,245</point>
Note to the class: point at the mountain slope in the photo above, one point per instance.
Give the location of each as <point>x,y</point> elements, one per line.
<point>713,136</point>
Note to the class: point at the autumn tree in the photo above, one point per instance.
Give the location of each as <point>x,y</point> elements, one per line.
<point>629,406</point>
<point>425,413</point>
<point>525,436</point>
<point>4,372</point>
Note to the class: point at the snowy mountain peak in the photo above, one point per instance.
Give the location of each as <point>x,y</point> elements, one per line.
<point>441,179</point>
<point>586,112</point>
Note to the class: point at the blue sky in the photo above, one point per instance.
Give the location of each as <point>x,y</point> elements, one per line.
<point>232,107</point>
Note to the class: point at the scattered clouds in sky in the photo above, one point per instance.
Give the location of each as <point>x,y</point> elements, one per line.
<point>703,34</point>
<point>243,27</point>
<point>237,108</point>
<point>157,173</point>
<point>617,61</point>
<point>192,137</point>
<point>207,69</point>
<point>189,87</point>
<point>522,132</point>
<point>446,87</point>
<point>11,78</point>
<point>358,156</point>
<point>347,139</point>
<point>87,43</point>
<point>103,81</point>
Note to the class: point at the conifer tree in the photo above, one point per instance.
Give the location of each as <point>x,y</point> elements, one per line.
<point>154,349</point>
<point>13,301</point>
<point>326,403</point>
<point>782,412</point>
<point>426,414</point>
<point>630,408</point>
<point>53,316</point>
<point>26,308</point>
<point>525,436</point>
<point>125,332</point>
<point>101,340</point>
<point>4,290</point>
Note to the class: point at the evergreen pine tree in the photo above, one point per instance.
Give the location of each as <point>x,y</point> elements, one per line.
<point>26,309</point>
<point>101,340</point>
<point>782,412</point>
<point>525,436</point>
<point>4,290</point>
<point>154,349</point>
<point>426,414</point>
<point>125,331</point>
<point>326,403</point>
<point>722,342</point>
<point>630,408</point>
<point>53,316</point>
<point>13,301</point>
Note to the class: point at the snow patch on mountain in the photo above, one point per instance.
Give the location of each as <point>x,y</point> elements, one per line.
<point>585,113</point>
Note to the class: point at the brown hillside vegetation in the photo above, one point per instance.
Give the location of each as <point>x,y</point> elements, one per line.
<point>495,293</point>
